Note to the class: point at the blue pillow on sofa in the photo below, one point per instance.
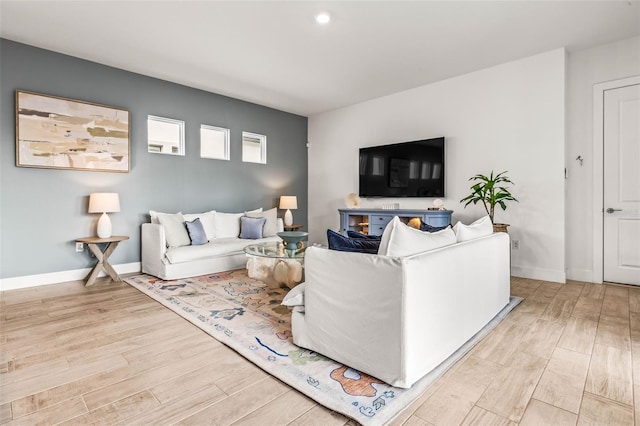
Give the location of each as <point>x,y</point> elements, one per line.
<point>354,234</point>
<point>196,232</point>
<point>251,227</point>
<point>428,228</point>
<point>359,245</point>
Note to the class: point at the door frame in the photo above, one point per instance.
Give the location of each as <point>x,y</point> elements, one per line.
<point>598,170</point>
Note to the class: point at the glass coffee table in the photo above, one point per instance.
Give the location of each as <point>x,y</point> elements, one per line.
<point>273,263</point>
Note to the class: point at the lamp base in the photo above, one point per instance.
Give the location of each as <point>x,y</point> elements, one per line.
<point>288,218</point>
<point>104,226</point>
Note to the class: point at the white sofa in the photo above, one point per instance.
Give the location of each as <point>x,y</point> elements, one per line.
<point>170,263</point>
<point>397,318</point>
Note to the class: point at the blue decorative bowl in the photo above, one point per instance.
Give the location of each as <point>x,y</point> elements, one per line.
<point>292,239</point>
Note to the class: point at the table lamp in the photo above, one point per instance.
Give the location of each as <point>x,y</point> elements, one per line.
<point>288,202</point>
<point>104,202</point>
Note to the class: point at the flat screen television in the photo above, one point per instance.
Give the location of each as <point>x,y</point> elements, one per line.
<point>408,169</point>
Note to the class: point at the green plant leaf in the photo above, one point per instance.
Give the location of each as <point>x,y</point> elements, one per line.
<point>490,190</point>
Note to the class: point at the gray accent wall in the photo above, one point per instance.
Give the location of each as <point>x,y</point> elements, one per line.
<point>43,210</point>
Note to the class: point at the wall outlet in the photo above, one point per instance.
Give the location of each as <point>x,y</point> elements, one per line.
<point>79,247</point>
<point>515,244</point>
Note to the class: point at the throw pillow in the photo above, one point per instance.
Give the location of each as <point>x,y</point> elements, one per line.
<point>208,220</point>
<point>227,225</point>
<point>386,234</point>
<point>295,297</point>
<point>196,232</point>
<point>174,230</point>
<point>359,245</point>
<point>354,234</point>
<point>154,216</point>
<point>251,227</point>
<point>480,228</point>
<point>404,240</point>
<point>428,228</point>
<point>271,225</point>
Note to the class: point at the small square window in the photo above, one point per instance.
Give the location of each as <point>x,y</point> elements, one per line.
<point>165,135</point>
<point>254,148</point>
<point>214,142</point>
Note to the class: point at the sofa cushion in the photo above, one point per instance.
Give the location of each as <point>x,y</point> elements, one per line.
<point>208,220</point>
<point>227,225</point>
<point>154,216</point>
<point>400,240</point>
<point>219,247</point>
<point>196,232</point>
<point>251,227</point>
<point>271,225</point>
<point>480,228</point>
<point>360,245</point>
<point>174,230</point>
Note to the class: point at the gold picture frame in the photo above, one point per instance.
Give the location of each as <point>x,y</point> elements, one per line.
<point>60,133</point>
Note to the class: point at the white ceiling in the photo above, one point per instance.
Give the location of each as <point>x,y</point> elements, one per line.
<point>275,54</point>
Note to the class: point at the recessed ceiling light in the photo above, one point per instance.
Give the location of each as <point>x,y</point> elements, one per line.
<point>323,18</point>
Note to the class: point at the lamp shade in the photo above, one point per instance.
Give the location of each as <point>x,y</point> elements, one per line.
<point>104,202</point>
<point>288,202</point>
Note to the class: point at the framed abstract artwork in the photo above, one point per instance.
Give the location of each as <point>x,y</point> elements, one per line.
<point>59,133</point>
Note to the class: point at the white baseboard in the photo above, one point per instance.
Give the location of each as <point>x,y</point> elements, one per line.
<point>539,274</point>
<point>581,275</point>
<point>15,283</point>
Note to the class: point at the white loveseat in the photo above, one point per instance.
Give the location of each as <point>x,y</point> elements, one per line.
<point>219,254</point>
<point>397,318</point>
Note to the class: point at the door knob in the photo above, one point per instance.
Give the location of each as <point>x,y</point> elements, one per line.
<point>610,210</point>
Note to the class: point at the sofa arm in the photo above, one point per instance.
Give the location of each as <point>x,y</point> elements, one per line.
<point>280,225</point>
<point>353,307</point>
<point>154,247</point>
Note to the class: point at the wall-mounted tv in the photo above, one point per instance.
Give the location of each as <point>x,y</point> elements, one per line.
<point>409,169</point>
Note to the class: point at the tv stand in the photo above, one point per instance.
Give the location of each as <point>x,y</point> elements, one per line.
<point>373,221</point>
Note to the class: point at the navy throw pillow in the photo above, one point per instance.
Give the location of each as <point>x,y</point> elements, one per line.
<point>196,232</point>
<point>359,245</point>
<point>354,234</point>
<point>428,228</point>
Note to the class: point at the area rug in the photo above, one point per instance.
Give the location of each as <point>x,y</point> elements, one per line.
<point>245,314</point>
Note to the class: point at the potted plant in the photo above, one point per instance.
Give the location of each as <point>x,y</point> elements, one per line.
<point>491,191</point>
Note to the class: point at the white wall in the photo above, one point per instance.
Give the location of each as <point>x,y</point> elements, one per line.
<point>584,69</point>
<point>509,117</point>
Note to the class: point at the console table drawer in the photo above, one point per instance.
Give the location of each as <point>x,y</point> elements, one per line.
<point>377,223</point>
<point>379,220</point>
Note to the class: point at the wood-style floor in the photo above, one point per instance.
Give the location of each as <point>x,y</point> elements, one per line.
<point>110,355</point>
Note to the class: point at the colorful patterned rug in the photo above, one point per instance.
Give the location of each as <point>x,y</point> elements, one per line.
<point>246,315</point>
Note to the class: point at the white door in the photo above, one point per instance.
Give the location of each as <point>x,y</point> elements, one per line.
<point>622,185</point>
